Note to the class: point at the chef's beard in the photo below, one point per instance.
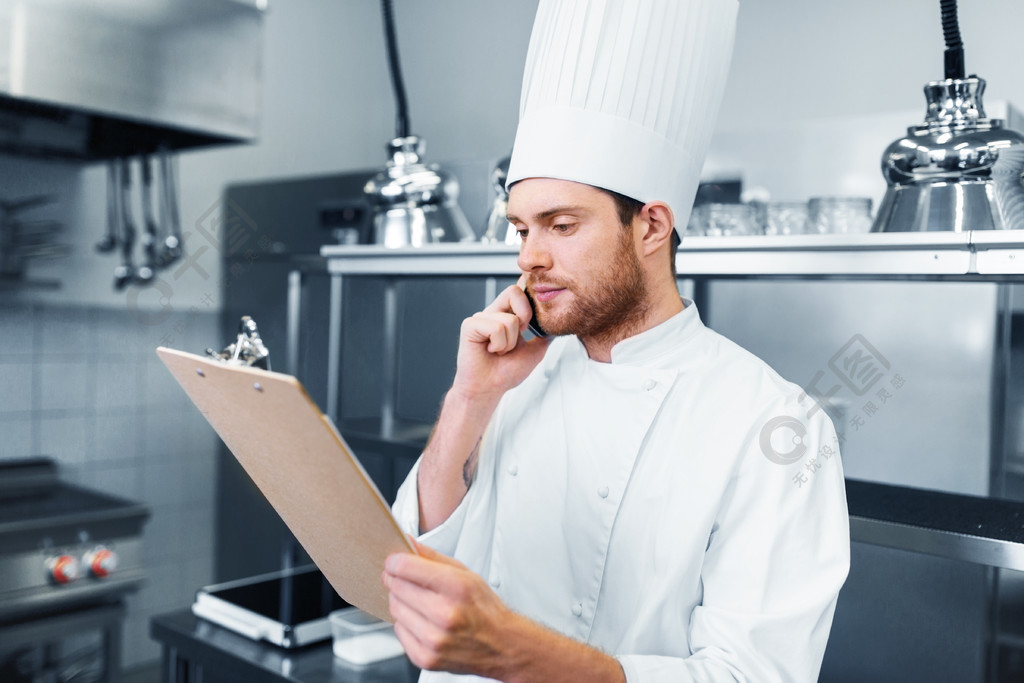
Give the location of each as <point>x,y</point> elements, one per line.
<point>607,304</point>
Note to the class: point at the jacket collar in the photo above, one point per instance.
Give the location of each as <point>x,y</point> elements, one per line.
<point>660,340</point>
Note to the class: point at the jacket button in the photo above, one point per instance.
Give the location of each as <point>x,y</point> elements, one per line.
<point>603,492</point>
<point>513,469</point>
<point>577,609</point>
<point>495,581</point>
<point>649,384</point>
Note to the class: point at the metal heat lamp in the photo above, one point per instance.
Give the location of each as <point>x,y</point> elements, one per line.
<point>413,203</point>
<point>959,170</point>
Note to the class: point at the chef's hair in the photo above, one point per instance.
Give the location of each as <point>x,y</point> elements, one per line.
<point>628,209</point>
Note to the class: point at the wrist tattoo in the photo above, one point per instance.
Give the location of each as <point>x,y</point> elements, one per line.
<point>469,467</point>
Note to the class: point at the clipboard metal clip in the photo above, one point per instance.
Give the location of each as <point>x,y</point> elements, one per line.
<point>248,348</point>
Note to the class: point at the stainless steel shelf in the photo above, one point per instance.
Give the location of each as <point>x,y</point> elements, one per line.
<point>986,531</point>
<point>973,255</point>
<point>872,254</point>
<point>433,259</point>
<point>999,252</point>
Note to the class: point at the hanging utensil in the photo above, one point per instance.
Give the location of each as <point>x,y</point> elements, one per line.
<point>124,274</point>
<point>109,241</point>
<point>169,217</point>
<point>150,237</point>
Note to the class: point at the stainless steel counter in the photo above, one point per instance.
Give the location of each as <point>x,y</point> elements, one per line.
<point>195,650</point>
<point>973,529</point>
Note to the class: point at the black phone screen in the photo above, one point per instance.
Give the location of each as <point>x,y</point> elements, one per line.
<point>534,325</point>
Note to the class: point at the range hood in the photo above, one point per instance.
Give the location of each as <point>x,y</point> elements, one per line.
<point>99,79</point>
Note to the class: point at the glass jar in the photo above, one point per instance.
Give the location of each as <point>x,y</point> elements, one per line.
<point>786,218</point>
<point>730,219</point>
<point>698,221</point>
<point>839,215</point>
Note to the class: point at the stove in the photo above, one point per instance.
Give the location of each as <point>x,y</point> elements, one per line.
<point>68,558</point>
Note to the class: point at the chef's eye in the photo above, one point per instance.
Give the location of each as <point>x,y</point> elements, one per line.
<point>522,232</point>
<point>563,227</point>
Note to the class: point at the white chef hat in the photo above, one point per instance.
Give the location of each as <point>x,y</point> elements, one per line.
<point>623,95</point>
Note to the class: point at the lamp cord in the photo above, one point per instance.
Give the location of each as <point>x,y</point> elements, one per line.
<point>397,84</point>
<point>954,55</point>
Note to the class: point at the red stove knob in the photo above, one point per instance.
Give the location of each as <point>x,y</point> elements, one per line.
<point>64,568</point>
<point>101,562</point>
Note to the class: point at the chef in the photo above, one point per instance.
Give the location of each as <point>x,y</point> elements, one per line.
<point>633,497</point>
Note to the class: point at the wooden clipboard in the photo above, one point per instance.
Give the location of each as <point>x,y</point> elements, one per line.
<point>303,467</point>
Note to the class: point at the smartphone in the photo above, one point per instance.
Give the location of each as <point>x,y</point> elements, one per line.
<point>534,325</point>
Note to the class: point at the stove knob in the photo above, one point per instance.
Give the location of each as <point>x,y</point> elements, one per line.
<point>64,568</point>
<point>101,562</point>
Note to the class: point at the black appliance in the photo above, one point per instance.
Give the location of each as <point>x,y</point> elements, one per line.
<point>287,608</point>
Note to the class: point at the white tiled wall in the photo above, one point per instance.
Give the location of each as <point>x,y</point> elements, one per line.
<point>84,386</point>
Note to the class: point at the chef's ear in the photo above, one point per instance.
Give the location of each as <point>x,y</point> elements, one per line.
<point>659,226</point>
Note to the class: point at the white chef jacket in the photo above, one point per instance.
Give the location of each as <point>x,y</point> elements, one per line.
<point>632,506</point>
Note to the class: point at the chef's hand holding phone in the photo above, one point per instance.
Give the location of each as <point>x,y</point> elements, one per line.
<point>493,355</point>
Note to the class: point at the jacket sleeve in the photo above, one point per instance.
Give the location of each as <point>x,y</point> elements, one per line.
<point>442,538</point>
<point>778,554</point>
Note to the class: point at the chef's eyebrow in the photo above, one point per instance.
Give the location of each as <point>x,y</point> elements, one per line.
<point>544,215</point>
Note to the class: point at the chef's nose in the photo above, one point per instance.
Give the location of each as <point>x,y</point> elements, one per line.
<point>533,255</point>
